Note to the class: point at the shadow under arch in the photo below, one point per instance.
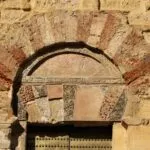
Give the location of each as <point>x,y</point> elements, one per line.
<point>45,50</point>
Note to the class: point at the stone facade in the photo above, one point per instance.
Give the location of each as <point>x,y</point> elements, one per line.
<point>55,54</point>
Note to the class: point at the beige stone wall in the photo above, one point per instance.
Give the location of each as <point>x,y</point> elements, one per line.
<point>131,138</point>
<point>120,28</point>
<point>137,11</point>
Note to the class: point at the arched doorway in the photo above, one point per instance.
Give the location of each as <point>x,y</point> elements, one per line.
<point>70,84</point>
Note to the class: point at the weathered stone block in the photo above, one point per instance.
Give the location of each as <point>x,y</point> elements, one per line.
<point>55,91</point>
<point>132,121</point>
<point>90,4</point>
<point>43,105</point>
<point>144,109</point>
<point>26,94</point>
<point>39,91</point>
<point>76,65</point>
<point>56,111</point>
<point>69,97</point>
<point>5,107</point>
<point>34,114</point>
<point>138,137</point>
<point>113,102</point>
<point>122,5</point>
<point>11,16</point>
<point>147,37</point>
<point>87,105</point>
<point>25,4</point>
<point>4,142</point>
<point>45,5</point>
<point>139,18</point>
<point>5,4</point>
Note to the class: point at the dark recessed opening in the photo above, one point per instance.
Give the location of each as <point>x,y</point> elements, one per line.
<point>69,137</point>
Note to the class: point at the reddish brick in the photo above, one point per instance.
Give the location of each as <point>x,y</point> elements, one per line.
<point>6,58</point>
<point>111,25</point>
<point>140,86</point>
<point>4,71</point>
<point>140,70</point>
<point>55,91</point>
<point>58,25</point>
<point>18,54</point>
<point>128,53</point>
<point>87,104</point>
<point>84,26</point>
<point>33,29</point>
<point>4,83</point>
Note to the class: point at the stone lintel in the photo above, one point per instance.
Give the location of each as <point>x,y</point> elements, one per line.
<point>76,80</point>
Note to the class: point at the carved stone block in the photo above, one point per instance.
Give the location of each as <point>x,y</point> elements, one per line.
<point>113,101</point>
<point>56,111</point>
<point>22,114</point>
<point>26,94</point>
<point>43,105</point>
<point>87,103</point>
<point>119,108</point>
<point>39,91</point>
<point>69,97</point>
<point>34,114</point>
<point>55,91</point>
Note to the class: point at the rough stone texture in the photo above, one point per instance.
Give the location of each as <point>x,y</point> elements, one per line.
<point>43,104</point>
<point>8,16</point>
<point>26,94</point>
<point>119,109</point>
<point>34,114</point>
<point>69,97</point>
<point>139,18</point>
<point>56,111</point>
<point>147,37</point>
<point>122,5</point>
<point>110,102</point>
<point>44,111</point>
<point>39,91</point>
<point>5,141</point>
<point>142,140</point>
<point>90,5</point>
<point>5,107</point>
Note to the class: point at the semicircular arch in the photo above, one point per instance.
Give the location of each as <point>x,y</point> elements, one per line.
<point>79,50</point>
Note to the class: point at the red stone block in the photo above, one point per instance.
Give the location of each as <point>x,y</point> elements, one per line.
<point>87,103</point>
<point>111,26</point>
<point>84,26</point>
<point>141,70</point>
<point>55,91</point>
<point>18,54</point>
